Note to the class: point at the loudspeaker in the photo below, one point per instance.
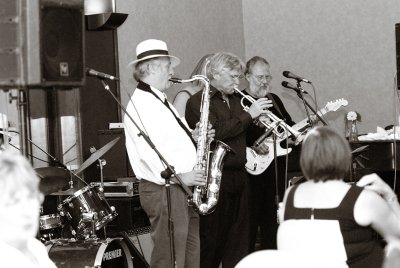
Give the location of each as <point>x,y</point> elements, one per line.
<point>19,43</point>
<point>62,42</point>
<point>133,224</point>
<point>42,43</point>
<point>130,214</point>
<point>397,32</point>
<point>117,162</point>
<point>141,239</point>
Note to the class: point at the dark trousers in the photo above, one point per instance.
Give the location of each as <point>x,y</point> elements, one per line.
<point>224,233</point>
<point>263,205</point>
<point>185,226</point>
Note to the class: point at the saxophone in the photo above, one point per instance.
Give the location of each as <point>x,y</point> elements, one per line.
<point>205,198</point>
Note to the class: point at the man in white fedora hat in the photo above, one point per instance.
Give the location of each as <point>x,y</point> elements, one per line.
<point>172,137</point>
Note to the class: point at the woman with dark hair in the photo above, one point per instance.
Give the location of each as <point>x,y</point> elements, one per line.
<point>332,223</point>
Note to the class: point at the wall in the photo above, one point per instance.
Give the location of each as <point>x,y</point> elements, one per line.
<point>191,29</point>
<point>347,48</point>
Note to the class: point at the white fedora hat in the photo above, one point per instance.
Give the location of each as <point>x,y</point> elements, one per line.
<point>153,48</point>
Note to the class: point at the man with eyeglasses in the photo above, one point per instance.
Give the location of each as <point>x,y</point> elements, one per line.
<point>263,190</point>
<point>224,232</point>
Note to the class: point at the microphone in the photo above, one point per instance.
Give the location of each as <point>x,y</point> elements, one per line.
<point>288,85</point>
<point>293,76</point>
<point>91,72</point>
<point>176,80</point>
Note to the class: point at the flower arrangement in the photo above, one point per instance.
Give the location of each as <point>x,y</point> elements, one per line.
<point>351,128</point>
<point>353,116</point>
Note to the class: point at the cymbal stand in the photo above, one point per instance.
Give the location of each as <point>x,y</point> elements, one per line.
<point>102,163</point>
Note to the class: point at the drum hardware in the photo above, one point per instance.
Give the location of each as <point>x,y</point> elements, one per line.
<point>87,211</point>
<point>102,163</point>
<point>90,218</point>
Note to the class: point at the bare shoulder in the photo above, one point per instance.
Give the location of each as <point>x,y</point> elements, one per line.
<point>183,94</point>
<point>369,207</point>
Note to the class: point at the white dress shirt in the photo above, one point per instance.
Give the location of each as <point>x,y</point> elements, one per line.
<point>171,140</point>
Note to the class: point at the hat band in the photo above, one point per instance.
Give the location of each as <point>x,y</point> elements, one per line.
<point>152,52</point>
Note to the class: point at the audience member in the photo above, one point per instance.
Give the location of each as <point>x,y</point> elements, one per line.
<point>20,201</point>
<point>333,223</point>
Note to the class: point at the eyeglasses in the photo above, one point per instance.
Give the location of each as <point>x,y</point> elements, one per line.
<point>262,77</point>
<point>233,76</point>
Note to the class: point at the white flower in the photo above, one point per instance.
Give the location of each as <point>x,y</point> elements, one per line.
<point>351,116</point>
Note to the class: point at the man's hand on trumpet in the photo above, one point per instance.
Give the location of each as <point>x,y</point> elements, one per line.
<point>258,107</point>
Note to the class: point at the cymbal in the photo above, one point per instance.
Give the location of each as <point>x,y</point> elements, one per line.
<point>96,155</point>
<point>70,191</point>
<point>52,179</point>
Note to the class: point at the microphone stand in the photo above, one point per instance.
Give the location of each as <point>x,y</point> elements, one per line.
<point>307,105</point>
<point>276,175</point>
<point>166,174</point>
<point>55,160</point>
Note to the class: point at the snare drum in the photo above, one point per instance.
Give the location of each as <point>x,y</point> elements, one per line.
<point>50,221</point>
<point>87,201</point>
<point>109,253</point>
<point>50,227</point>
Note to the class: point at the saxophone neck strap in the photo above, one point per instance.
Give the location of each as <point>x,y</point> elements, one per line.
<point>145,87</point>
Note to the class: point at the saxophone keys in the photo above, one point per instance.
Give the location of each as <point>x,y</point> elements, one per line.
<point>213,188</point>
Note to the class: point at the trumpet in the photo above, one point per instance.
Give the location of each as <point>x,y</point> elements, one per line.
<point>273,123</point>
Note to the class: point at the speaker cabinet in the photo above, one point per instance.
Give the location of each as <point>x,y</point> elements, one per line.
<point>42,43</point>
<point>19,43</point>
<point>117,162</point>
<point>130,214</point>
<point>134,225</point>
<point>62,42</point>
<point>142,242</point>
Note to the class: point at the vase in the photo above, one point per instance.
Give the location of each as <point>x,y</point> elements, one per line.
<point>353,132</point>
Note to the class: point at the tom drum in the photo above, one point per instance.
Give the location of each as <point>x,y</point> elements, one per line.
<point>87,201</point>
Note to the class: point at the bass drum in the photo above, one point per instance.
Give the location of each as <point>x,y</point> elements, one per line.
<point>108,253</point>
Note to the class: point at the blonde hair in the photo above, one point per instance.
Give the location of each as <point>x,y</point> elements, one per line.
<point>224,60</point>
<point>16,173</point>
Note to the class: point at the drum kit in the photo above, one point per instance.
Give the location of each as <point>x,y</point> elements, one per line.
<point>70,234</point>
